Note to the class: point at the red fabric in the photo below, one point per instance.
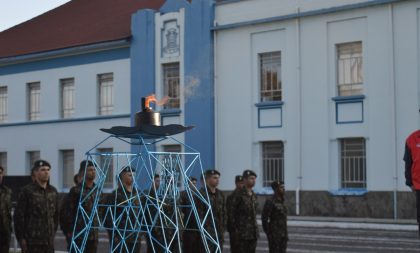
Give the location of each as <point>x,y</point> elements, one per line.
<point>413,143</point>
<point>78,22</point>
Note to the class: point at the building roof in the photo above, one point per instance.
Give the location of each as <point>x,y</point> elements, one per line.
<point>76,23</point>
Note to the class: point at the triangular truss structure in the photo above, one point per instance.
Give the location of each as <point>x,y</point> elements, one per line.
<point>160,215</point>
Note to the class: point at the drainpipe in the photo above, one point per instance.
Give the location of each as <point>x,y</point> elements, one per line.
<point>394,104</point>
<point>299,84</point>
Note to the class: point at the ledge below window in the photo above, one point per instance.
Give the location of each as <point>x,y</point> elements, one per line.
<point>356,98</point>
<point>170,112</point>
<point>349,109</point>
<point>270,114</point>
<point>270,104</point>
<point>348,192</point>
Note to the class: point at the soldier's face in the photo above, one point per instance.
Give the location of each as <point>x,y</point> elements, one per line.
<point>213,180</point>
<point>42,174</point>
<point>250,181</point>
<point>156,181</point>
<point>240,184</point>
<point>127,178</point>
<point>90,173</point>
<point>1,176</point>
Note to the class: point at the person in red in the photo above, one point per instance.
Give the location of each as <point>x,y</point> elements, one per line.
<point>412,167</point>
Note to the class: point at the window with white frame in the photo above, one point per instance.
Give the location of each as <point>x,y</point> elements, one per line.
<point>349,69</point>
<point>67,97</point>
<point>67,167</point>
<point>171,87</point>
<point>34,99</point>
<point>272,162</point>
<point>106,93</point>
<point>3,104</point>
<point>106,161</point>
<point>270,76</point>
<point>353,163</point>
<point>31,157</point>
<point>3,161</point>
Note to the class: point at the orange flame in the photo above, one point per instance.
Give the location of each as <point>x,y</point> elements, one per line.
<point>152,98</point>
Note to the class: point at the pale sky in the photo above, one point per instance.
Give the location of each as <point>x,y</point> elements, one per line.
<point>13,12</point>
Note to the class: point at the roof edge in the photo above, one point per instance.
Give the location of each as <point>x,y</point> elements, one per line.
<point>63,52</point>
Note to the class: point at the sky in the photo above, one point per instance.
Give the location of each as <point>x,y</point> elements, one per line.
<point>13,12</point>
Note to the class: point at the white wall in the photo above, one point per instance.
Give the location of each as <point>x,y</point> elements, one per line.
<point>50,138</point>
<point>390,108</point>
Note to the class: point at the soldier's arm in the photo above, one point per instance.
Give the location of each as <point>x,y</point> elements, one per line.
<point>57,212</point>
<point>231,212</point>
<point>265,215</point>
<point>19,216</point>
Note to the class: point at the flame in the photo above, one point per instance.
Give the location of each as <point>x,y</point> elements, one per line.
<point>152,98</point>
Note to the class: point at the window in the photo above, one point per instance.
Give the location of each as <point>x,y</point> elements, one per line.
<point>67,167</point>
<point>270,76</point>
<point>67,97</point>
<point>272,162</point>
<point>3,161</point>
<point>34,93</point>
<point>350,69</point>
<point>3,104</point>
<point>171,85</point>
<point>353,163</point>
<point>106,161</point>
<point>106,95</point>
<point>32,156</point>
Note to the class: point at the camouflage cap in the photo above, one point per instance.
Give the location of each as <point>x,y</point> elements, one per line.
<point>248,173</point>
<point>238,178</point>
<point>40,163</point>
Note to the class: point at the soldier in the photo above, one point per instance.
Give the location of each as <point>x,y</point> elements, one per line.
<point>217,203</point>
<point>243,215</point>
<point>124,200</point>
<point>88,172</point>
<point>274,219</point>
<point>63,213</point>
<point>5,215</point>
<point>239,184</point>
<point>190,236</point>
<point>36,215</point>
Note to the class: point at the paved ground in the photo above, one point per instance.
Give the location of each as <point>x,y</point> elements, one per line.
<point>327,235</point>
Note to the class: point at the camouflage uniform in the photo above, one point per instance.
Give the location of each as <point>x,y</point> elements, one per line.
<point>159,231</point>
<point>243,220</point>
<point>120,203</point>
<point>233,243</point>
<point>217,203</point>
<point>74,198</point>
<point>5,218</point>
<point>191,236</point>
<point>36,217</point>
<point>274,221</point>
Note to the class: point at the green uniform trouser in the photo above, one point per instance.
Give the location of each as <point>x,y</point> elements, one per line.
<point>277,245</point>
<point>4,243</point>
<point>246,246</point>
<point>35,248</point>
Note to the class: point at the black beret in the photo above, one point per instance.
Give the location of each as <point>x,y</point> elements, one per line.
<point>276,184</point>
<point>193,179</point>
<point>127,169</point>
<point>248,173</point>
<point>40,163</point>
<point>84,162</point>
<point>238,178</point>
<point>211,173</point>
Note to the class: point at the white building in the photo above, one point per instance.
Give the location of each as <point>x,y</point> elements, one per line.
<point>323,93</point>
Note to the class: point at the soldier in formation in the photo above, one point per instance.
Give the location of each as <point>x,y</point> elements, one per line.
<point>217,205</point>
<point>242,215</point>
<point>36,215</point>
<point>274,219</point>
<point>239,184</point>
<point>5,215</point>
<point>84,190</point>
<point>124,204</point>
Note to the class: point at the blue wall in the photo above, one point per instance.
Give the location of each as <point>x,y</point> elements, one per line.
<point>198,60</point>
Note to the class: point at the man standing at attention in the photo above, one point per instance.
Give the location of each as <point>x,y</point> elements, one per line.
<point>36,215</point>
<point>243,215</point>
<point>5,215</point>
<point>239,184</point>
